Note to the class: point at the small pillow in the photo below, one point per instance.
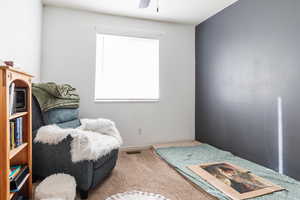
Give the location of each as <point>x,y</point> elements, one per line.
<point>57,186</point>
<point>70,124</point>
<point>60,115</point>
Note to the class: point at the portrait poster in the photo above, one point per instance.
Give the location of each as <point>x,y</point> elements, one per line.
<point>235,182</point>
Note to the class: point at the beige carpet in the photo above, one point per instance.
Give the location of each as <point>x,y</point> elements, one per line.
<point>146,172</point>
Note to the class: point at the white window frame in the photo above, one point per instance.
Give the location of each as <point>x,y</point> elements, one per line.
<point>154,36</point>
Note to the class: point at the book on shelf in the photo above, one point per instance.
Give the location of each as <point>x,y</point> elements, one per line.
<point>14,171</point>
<point>16,132</point>
<point>17,182</point>
<point>19,131</point>
<point>12,134</point>
<point>12,99</point>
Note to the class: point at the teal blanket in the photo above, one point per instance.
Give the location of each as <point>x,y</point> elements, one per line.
<point>181,157</point>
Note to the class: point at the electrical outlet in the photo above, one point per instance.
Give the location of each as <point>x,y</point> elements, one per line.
<point>140,131</point>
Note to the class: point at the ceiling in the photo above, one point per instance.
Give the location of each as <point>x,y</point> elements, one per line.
<point>180,11</point>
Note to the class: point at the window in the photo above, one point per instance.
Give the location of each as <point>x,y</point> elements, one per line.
<point>127,68</point>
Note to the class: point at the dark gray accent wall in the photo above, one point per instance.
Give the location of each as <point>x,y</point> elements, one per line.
<point>246,57</point>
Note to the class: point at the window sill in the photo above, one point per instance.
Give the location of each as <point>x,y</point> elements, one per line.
<point>126,100</point>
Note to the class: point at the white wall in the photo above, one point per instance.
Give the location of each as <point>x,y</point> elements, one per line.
<point>69,45</point>
<point>20,34</point>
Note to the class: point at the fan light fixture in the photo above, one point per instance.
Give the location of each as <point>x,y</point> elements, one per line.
<point>146,3</point>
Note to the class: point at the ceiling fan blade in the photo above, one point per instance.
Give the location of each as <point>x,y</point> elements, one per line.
<point>144,3</point>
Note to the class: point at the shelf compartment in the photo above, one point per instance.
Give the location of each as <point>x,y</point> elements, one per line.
<point>16,150</point>
<point>18,114</point>
<point>21,186</point>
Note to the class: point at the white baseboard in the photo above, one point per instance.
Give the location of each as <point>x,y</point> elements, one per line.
<point>155,146</point>
<point>136,148</point>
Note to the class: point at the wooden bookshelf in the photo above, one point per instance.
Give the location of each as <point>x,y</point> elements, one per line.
<point>23,153</point>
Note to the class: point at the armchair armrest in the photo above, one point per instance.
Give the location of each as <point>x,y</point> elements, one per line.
<point>51,159</point>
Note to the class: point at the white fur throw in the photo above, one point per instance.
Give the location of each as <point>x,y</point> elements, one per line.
<point>92,140</point>
<point>56,187</point>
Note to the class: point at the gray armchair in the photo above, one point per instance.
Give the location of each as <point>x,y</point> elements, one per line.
<point>51,159</point>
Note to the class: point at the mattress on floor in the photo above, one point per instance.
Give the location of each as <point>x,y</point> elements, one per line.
<point>181,157</point>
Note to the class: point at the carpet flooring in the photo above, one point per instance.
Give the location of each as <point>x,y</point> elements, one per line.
<point>147,172</point>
